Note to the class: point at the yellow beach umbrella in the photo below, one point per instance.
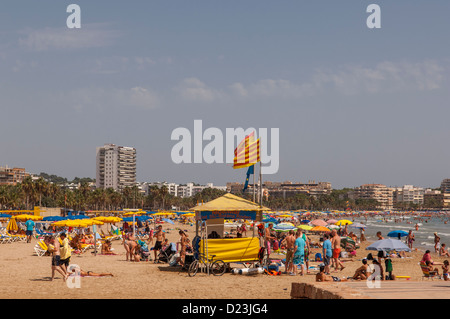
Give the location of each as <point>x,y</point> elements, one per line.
<point>27,217</point>
<point>285,216</point>
<point>69,223</point>
<point>141,212</point>
<point>163,214</point>
<point>305,227</point>
<point>344,222</point>
<point>108,219</point>
<point>12,225</point>
<point>188,215</point>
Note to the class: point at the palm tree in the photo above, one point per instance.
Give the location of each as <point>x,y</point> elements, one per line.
<point>126,193</point>
<point>28,188</point>
<point>163,191</point>
<point>40,186</point>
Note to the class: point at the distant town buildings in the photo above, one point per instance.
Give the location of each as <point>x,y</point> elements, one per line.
<point>284,189</point>
<point>180,190</point>
<point>115,167</point>
<point>12,176</point>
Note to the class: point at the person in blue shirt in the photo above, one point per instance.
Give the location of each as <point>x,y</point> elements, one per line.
<point>327,253</point>
<point>299,251</point>
<point>30,227</point>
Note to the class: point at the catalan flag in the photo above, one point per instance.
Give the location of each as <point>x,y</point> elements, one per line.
<point>247,153</point>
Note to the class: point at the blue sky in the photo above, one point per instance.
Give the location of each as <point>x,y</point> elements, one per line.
<point>353,105</point>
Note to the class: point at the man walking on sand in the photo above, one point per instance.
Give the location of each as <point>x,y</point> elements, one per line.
<point>299,251</point>
<point>327,253</point>
<point>56,258</point>
<point>30,227</point>
<point>290,245</point>
<point>336,245</point>
<point>160,237</point>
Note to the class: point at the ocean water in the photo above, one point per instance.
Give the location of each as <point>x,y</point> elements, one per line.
<point>424,236</point>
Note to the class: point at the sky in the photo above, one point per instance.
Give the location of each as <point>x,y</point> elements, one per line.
<point>353,105</point>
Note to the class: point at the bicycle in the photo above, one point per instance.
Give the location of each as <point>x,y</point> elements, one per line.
<point>217,267</point>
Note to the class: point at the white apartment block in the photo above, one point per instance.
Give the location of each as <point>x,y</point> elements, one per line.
<point>409,194</point>
<point>182,190</point>
<point>116,167</point>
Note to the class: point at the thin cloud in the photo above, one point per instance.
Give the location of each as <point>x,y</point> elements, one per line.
<point>89,36</point>
<point>108,99</point>
<point>385,77</point>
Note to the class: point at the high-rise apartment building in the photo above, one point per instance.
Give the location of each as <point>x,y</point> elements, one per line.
<point>445,185</point>
<point>116,167</point>
<point>381,193</point>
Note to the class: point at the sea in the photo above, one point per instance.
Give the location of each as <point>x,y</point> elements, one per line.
<point>424,236</point>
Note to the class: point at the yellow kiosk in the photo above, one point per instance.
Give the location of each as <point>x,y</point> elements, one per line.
<point>211,246</point>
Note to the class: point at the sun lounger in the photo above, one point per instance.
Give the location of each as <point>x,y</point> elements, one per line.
<point>41,248</point>
<point>17,237</point>
<point>6,239</point>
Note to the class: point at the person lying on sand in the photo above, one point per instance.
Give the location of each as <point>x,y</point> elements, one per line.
<point>322,277</point>
<point>92,274</point>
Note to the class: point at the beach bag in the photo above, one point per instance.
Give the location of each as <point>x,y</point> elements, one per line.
<point>318,257</point>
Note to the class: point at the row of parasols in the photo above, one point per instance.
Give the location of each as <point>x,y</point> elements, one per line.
<point>82,221</point>
<point>317,225</point>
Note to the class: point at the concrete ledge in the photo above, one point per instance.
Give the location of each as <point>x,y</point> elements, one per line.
<point>437,289</point>
<point>323,290</point>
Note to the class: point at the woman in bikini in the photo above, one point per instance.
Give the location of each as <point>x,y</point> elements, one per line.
<point>129,242</point>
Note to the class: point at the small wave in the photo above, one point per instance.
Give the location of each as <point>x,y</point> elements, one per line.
<point>426,244</point>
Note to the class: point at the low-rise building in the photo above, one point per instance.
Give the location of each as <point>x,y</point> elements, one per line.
<point>12,176</point>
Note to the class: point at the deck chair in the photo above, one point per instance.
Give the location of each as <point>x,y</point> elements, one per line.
<point>427,273</point>
<point>17,237</point>
<point>40,248</point>
<point>5,239</point>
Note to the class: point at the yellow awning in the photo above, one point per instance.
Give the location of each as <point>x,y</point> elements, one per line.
<point>230,202</point>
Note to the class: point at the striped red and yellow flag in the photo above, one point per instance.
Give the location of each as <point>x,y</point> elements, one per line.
<point>247,153</point>
<point>249,139</point>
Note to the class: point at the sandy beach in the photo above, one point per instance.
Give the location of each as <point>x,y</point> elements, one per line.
<point>26,275</point>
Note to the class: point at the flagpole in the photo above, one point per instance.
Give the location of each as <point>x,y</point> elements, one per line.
<point>260,185</point>
<point>254,188</point>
